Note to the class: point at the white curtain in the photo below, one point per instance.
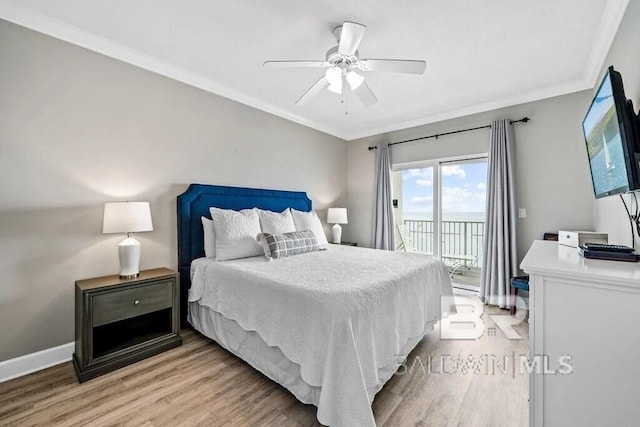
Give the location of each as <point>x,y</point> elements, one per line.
<point>500,259</point>
<point>384,235</point>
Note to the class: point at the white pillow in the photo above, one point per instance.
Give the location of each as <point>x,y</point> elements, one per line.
<point>309,221</point>
<point>209,238</point>
<point>236,233</point>
<point>276,223</point>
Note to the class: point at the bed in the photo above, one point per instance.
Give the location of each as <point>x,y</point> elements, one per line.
<point>331,326</point>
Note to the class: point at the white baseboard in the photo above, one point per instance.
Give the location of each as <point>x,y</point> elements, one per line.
<point>23,365</point>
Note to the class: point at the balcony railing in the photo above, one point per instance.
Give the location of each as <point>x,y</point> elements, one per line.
<point>462,239</point>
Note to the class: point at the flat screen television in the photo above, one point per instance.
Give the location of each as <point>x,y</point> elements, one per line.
<point>610,131</point>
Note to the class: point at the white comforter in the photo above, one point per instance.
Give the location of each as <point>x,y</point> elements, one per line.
<point>341,314</point>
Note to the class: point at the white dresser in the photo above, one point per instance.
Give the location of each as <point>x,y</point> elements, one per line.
<point>584,319</point>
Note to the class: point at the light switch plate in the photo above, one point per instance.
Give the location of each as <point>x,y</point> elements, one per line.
<point>522,213</point>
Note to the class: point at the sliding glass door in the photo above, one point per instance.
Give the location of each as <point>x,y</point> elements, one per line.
<point>440,208</point>
<point>414,188</point>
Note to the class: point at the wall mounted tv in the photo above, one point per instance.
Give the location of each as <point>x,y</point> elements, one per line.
<point>611,132</point>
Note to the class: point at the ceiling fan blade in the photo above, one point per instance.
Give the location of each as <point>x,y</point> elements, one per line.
<point>350,38</point>
<point>393,65</point>
<point>296,64</point>
<point>365,94</point>
<point>313,91</point>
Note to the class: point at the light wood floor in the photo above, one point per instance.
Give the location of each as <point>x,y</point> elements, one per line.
<point>202,384</point>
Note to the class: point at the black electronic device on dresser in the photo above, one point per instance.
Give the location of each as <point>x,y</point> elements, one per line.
<point>609,252</point>
<point>121,321</point>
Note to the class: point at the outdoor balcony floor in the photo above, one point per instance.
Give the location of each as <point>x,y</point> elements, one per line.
<point>467,279</point>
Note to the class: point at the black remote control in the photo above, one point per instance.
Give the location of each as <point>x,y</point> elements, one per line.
<point>607,248</point>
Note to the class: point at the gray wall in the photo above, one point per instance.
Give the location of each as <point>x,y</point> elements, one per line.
<point>78,129</point>
<point>552,173</point>
<point>624,55</point>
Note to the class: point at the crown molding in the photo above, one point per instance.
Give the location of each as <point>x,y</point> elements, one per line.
<point>612,18</point>
<point>535,95</point>
<point>17,14</point>
<point>609,26</point>
<point>13,12</point>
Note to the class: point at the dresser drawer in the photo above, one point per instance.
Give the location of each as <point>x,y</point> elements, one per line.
<point>131,302</point>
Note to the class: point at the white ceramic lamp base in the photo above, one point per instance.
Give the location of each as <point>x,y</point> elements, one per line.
<point>336,232</point>
<point>129,252</point>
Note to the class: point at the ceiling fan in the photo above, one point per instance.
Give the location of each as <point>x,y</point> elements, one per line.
<point>343,63</point>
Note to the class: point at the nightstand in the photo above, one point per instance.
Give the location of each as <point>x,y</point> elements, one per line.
<point>346,243</point>
<point>121,321</point>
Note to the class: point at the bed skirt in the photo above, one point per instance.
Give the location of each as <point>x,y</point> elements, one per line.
<point>251,348</point>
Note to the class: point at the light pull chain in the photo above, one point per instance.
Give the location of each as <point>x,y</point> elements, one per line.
<point>344,94</point>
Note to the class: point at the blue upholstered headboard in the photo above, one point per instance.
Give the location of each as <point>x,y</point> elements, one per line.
<point>195,203</point>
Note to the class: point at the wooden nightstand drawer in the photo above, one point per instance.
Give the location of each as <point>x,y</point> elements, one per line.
<point>119,305</point>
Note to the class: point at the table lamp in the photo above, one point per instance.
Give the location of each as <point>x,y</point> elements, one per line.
<point>337,216</point>
<point>129,218</point>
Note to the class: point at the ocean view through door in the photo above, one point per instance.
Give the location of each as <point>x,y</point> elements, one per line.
<point>441,210</point>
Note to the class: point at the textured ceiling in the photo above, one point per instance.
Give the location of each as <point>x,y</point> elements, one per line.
<point>481,54</point>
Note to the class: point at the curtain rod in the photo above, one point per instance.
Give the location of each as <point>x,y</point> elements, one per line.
<point>522,120</point>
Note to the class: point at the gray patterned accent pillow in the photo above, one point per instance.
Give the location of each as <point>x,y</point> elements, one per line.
<point>287,244</point>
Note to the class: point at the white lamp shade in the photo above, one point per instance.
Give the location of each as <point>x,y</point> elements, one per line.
<point>334,76</point>
<point>126,217</point>
<point>337,216</point>
<point>336,88</point>
<point>354,79</point>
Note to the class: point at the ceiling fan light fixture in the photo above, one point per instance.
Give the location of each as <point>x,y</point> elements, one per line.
<point>341,61</point>
<point>337,88</point>
<point>354,79</point>
<point>334,76</point>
